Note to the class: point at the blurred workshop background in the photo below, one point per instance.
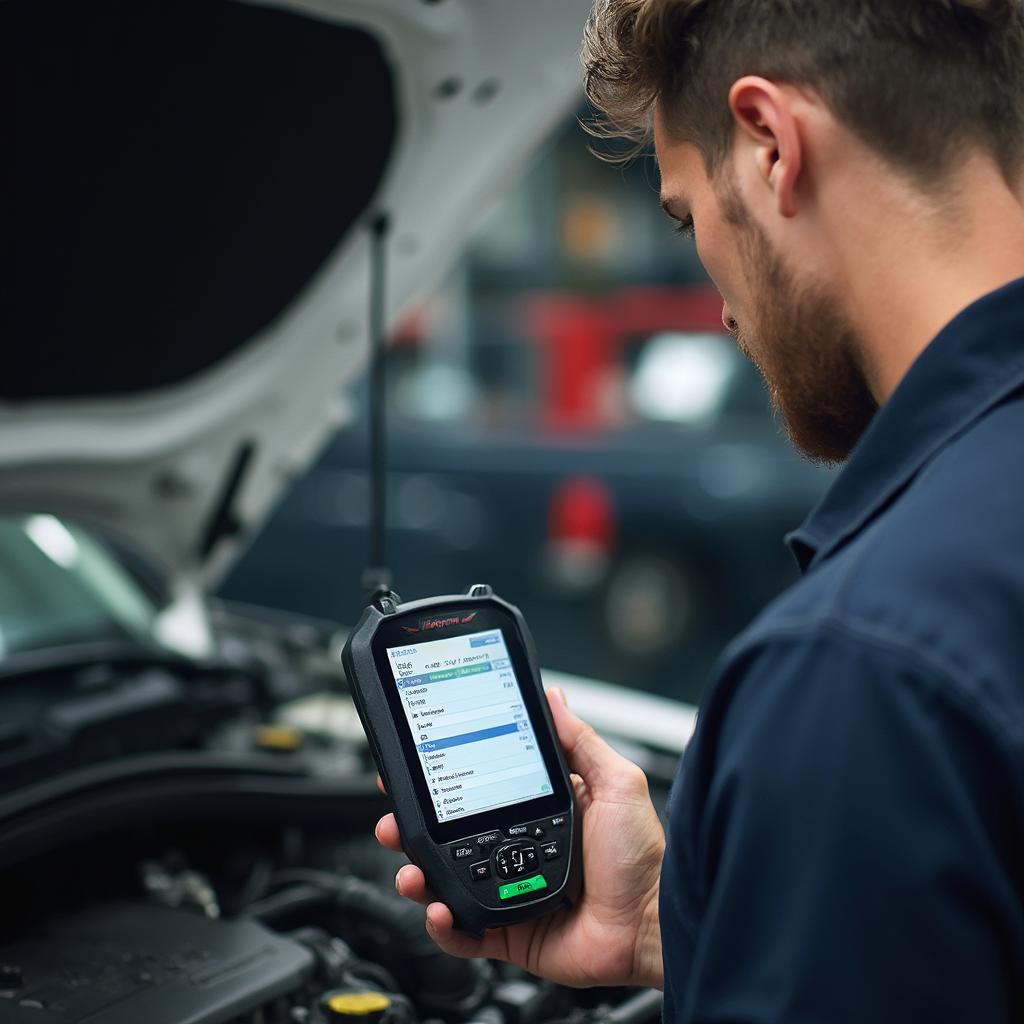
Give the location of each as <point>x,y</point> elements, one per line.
<point>194,295</point>
<point>570,423</point>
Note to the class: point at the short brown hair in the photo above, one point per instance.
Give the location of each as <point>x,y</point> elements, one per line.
<point>915,79</point>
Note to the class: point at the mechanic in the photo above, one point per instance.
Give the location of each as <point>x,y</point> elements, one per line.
<point>846,833</point>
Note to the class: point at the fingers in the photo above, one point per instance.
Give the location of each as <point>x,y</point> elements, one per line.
<point>588,755</point>
<point>387,833</point>
<point>411,883</point>
<point>380,785</point>
<point>441,928</point>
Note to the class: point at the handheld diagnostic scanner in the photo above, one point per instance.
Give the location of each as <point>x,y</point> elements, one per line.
<point>449,694</point>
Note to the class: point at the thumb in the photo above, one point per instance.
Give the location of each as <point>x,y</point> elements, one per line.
<point>588,755</point>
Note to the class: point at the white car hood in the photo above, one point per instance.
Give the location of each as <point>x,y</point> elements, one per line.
<point>478,84</point>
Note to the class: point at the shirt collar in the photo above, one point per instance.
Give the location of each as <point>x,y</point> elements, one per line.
<point>972,364</point>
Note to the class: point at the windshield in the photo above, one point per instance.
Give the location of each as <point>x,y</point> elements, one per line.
<point>60,585</point>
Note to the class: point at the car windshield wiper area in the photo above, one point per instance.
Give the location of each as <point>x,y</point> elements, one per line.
<point>65,708</point>
<point>95,654</point>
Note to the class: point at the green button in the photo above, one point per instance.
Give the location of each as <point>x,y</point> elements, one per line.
<point>535,884</point>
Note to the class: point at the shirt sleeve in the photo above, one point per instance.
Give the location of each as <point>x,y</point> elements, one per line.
<point>855,831</point>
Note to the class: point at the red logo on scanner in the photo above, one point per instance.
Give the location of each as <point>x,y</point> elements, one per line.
<point>448,620</point>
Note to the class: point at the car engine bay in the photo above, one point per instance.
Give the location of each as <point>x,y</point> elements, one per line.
<point>173,848</point>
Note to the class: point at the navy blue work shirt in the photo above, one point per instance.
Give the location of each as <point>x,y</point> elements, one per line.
<point>846,833</point>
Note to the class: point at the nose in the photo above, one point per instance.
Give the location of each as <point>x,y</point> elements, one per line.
<point>728,321</point>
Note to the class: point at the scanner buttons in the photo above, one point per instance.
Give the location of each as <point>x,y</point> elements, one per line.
<point>515,860</point>
<point>480,871</point>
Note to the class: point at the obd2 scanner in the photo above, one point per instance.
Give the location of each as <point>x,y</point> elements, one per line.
<point>449,694</point>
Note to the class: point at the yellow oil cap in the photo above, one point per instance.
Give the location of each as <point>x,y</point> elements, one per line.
<point>358,1004</point>
<point>278,737</point>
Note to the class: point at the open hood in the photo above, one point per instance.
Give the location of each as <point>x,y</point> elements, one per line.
<point>194,182</point>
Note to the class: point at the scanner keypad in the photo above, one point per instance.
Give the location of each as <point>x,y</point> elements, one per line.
<point>515,853</point>
<point>515,860</point>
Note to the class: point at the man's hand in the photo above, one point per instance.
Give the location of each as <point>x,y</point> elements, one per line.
<point>612,935</point>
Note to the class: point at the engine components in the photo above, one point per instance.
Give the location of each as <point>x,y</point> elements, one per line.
<point>126,963</point>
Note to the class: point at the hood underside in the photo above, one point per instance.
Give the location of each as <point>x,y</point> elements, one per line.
<point>193,182</point>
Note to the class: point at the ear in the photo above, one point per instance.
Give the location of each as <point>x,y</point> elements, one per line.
<point>764,113</point>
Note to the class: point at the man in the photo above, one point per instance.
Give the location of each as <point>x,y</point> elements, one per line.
<point>846,835</point>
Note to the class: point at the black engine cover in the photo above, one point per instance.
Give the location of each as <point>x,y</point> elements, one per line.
<point>133,963</point>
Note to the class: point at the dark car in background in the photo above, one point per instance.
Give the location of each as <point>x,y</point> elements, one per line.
<point>613,469</point>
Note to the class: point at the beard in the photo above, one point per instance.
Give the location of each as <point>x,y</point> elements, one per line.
<point>806,349</point>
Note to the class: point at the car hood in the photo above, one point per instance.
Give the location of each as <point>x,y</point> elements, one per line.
<point>194,184</point>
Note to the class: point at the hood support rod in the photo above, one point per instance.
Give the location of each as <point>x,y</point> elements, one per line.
<point>377,576</point>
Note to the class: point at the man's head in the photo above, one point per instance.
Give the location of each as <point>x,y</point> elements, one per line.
<point>781,127</point>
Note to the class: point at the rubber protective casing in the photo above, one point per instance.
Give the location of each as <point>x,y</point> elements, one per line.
<point>381,730</point>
